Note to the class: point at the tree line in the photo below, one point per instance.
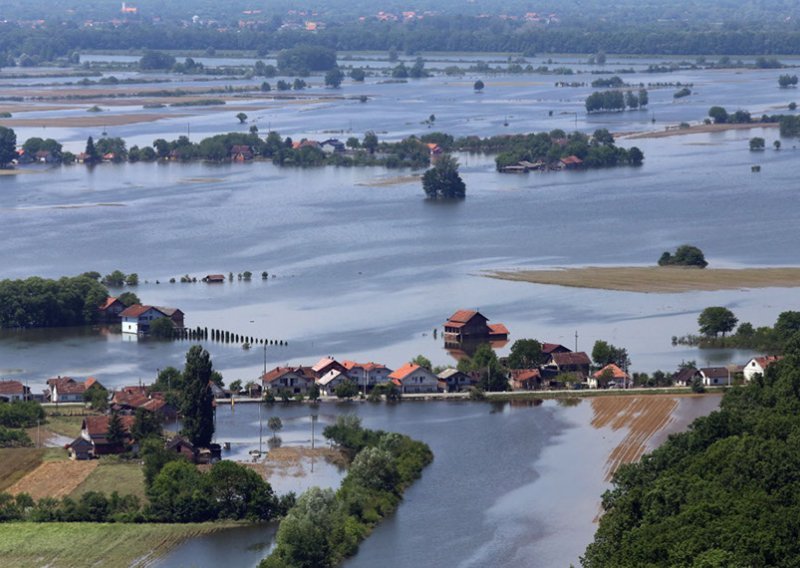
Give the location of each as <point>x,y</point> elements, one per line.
<point>41,302</point>
<point>723,493</point>
<point>326,526</point>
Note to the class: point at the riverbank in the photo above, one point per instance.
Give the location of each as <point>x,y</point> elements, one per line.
<point>657,279</point>
<point>68,545</point>
<point>696,129</point>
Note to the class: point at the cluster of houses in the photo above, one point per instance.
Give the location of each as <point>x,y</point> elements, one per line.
<point>137,318</point>
<point>524,166</point>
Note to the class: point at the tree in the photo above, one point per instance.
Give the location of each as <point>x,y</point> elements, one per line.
<point>478,86</point>
<point>236,386</point>
<point>238,492</point>
<point>162,328</point>
<point>525,354</point>
<point>716,320</point>
<point>685,255</point>
<point>719,114</point>
<point>636,156</point>
<point>128,299</point>
<point>777,144</point>
<point>146,424</point>
<point>97,397</point>
<point>603,353</point>
<point>334,78</point>
<point>242,117</point>
<point>357,74</point>
<point>91,152</point>
<point>346,389</point>
<point>422,361</point>
<point>442,181</point>
<point>196,399</point>
<point>132,279</point>
<point>116,431</point>
<point>156,60</point>
<point>370,142</point>
<point>785,81</point>
<point>275,424</point>
<point>313,392</point>
<point>8,146</point>
<point>757,143</point>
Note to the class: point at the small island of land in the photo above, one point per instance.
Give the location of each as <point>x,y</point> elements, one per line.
<point>657,279</point>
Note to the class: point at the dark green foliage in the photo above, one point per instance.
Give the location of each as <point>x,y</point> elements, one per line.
<point>128,299</point>
<point>155,456</point>
<point>325,527</point>
<point>39,302</point>
<point>21,414</point>
<point>526,354</point>
<point>8,146</point>
<point>10,438</point>
<point>97,397</point>
<point>722,494</point>
<point>787,80</point>
<point>154,60</point>
<point>146,424</point>
<point>196,399</point>
<point>603,353</point>
<point>478,85</point>
<point>162,328</point>
<point>334,78</point>
<point>484,362</point>
<point>685,255</point>
<point>442,181</point>
<point>303,59</point>
<point>346,389</point>
<point>116,431</point>
<point>716,320</point>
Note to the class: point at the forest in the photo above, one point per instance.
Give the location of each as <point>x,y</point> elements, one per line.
<point>724,493</point>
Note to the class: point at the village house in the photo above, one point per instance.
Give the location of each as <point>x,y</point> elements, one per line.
<point>367,375</point>
<point>715,376</point>
<point>550,348</point>
<point>411,378</point>
<point>561,363</point>
<point>67,389</point>
<point>296,380</point>
<point>609,375</point>
<point>758,365</point>
<point>472,325</point>
<point>94,429</point>
<point>453,380</point>
<point>214,278</point>
<point>332,146</point>
<point>325,365</point>
<point>11,390</point>
<point>241,153</point>
<point>330,380</point>
<point>136,319</point>
<point>571,162</point>
<point>685,377</point>
<point>109,310</point>
<point>525,379</point>
<point>180,445</point>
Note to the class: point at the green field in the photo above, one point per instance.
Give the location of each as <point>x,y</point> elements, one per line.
<point>68,545</point>
<point>126,478</point>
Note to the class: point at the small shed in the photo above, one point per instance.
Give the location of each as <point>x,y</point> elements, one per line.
<point>80,449</point>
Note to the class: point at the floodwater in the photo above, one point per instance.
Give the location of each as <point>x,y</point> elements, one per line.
<point>512,485</point>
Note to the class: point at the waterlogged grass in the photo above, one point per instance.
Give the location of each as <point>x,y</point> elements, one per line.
<point>126,478</point>
<point>68,545</point>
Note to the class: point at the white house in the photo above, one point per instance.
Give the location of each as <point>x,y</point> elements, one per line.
<point>367,375</point>
<point>296,380</point>
<point>715,376</point>
<point>136,319</point>
<point>757,366</point>
<point>13,390</point>
<point>330,380</point>
<point>411,378</point>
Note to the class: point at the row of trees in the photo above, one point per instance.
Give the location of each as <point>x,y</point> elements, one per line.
<point>724,493</point>
<point>685,255</point>
<point>603,101</point>
<point>40,302</point>
<point>325,527</point>
<point>716,322</point>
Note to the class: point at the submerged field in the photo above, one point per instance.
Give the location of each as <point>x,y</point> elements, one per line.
<point>657,279</point>
<point>67,545</point>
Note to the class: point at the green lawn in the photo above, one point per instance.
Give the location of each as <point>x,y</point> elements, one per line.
<point>68,545</point>
<point>126,478</point>
<point>64,424</point>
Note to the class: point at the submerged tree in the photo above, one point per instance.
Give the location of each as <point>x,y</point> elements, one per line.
<point>442,181</point>
<point>197,401</point>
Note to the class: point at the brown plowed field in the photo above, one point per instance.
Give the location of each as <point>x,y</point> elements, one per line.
<point>642,416</point>
<point>54,479</point>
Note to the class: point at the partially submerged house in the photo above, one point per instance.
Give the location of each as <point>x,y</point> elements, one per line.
<point>465,325</point>
<point>109,310</point>
<point>241,153</point>
<point>330,380</point>
<point>453,380</point>
<point>411,378</point>
<point>609,375</point>
<point>138,318</point>
<point>525,379</point>
<point>214,278</point>
<point>367,375</point>
<point>327,364</point>
<point>296,380</point>
<point>198,455</point>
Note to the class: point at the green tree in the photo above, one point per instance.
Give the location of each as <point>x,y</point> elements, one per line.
<point>478,86</point>
<point>146,424</point>
<point>196,399</point>
<point>313,392</point>
<point>716,320</point>
<point>370,142</point>
<point>785,81</point>
<point>719,114</point>
<point>8,146</point>
<point>603,353</point>
<point>154,60</point>
<point>242,117</point>
<point>357,74</point>
<point>685,255</point>
<point>238,492</point>
<point>422,361</point>
<point>525,354</point>
<point>116,431</point>
<point>115,279</point>
<point>757,143</point>
<point>442,181</point>
<point>132,279</point>
<point>97,397</point>
<point>334,78</point>
<point>92,156</point>
<point>128,299</point>
<point>275,424</point>
<point>154,457</point>
<point>346,389</point>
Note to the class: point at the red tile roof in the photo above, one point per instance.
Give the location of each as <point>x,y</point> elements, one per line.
<point>12,387</point>
<point>97,426</point>
<point>616,372</point>
<point>462,316</point>
<point>548,348</point>
<point>579,358</point>
<point>110,301</point>
<point>522,375</point>
<point>497,329</point>
<point>276,373</point>
<point>350,365</point>
<point>134,311</point>
<point>768,360</point>
<point>403,372</point>
<point>571,160</point>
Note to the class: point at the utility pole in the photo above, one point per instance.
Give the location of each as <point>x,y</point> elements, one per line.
<point>576,340</point>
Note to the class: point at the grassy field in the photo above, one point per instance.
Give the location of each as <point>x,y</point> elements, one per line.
<point>126,478</point>
<point>16,463</point>
<point>658,279</point>
<point>74,545</point>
